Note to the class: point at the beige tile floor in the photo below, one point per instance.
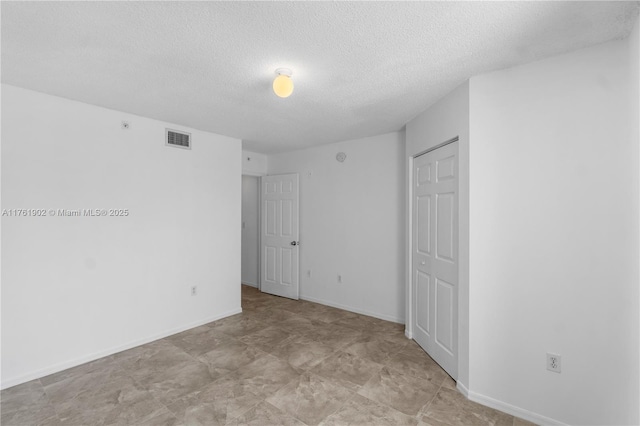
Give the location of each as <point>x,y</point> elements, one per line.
<point>280,362</point>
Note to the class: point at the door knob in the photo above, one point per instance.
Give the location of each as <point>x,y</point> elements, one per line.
<point>295,243</point>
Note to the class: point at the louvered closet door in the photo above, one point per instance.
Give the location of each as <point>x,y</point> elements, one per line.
<point>435,255</point>
<point>280,243</point>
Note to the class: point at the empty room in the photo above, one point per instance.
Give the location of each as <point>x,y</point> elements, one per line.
<point>320,213</point>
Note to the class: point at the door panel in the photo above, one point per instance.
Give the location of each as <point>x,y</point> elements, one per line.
<point>280,229</point>
<point>423,290</point>
<point>423,174</point>
<point>434,255</point>
<point>444,226</point>
<point>270,263</point>
<point>446,168</point>
<point>444,312</point>
<point>269,215</point>
<point>423,239</point>
<point>287,213</point>
<point>270,187</point>
<point>286,266</point>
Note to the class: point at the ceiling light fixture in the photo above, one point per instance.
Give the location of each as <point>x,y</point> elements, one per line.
<point>283,85</point>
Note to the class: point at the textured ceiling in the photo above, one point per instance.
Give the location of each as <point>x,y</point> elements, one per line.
<point>359,69</point>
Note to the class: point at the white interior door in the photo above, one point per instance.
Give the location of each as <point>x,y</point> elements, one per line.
<point>280,243</point>
<point>435,255</point>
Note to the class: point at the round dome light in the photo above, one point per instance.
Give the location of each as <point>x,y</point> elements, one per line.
<point>283,85</point>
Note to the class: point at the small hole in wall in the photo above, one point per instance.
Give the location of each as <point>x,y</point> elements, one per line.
<point>248,158</point>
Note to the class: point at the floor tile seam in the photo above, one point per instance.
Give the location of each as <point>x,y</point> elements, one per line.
<point>156,412</point>
<point>377,370</point>
<point>262,355</point>
<point>389,406</point>
<point>247,410</point>
<point>134,383</point>
<point>413,359</point>
<point>183,340</point>
<point>235,340</point>
<point>357,386</point>
<point>410,358</point>
<point>14,412</point>
<point>402,373</point>
<point>48,398</point>
<point>166,406</point>
<point>393,357</point>
<point>352,395</point>
<point>344,346</point>
<point>245,333</point>
<point>333,382</point>
<point>314,365</point>
<point>366,358</point>
<point>297,377</point>
<point>167,410</point>
<point>295,410</point>
<point>199,389</point>
<point>56,406</point>
<point>180,349</point>
<point>116,365</point>
<point>322,360</point>
<point>231,335</point>
<point>426,406</point>
<point>384,404</point>
<point>21,398</point>
<point>261,348</point>
<point>288,414</point>
<point>138,380</point>
<point>389,341</point>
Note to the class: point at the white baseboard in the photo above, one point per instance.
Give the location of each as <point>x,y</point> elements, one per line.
<point>249,284</point>
<point>408,334</point>
<point>352,309</point>
<point>13,381</point>
<point>463,390</point>
<point>507,408</point>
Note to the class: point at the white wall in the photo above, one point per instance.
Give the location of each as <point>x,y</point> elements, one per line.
<point>634,78</point>
<point>250,232</point>
<point>77,288</point>
<point>553,238</point>
<point>446,119</point>
<point>254,163</point>
<point>351,223</point>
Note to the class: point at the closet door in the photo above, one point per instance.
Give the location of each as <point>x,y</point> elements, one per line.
<point>435,255</point>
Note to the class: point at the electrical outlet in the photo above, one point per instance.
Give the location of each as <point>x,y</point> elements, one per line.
<point>340,279</point>
<point>194,290</point>
<point>554,362</point>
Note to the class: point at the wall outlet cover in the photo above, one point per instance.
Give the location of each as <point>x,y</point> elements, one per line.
<point>554,362</point>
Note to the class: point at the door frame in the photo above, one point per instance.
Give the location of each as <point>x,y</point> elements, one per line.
<point>463,251</point>
<point>260,228</point>
<point>259,177</point>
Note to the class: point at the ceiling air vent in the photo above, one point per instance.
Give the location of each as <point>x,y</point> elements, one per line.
<point>178,139</point>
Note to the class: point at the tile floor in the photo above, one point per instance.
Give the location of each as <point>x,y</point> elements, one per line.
<point>280,362</point>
